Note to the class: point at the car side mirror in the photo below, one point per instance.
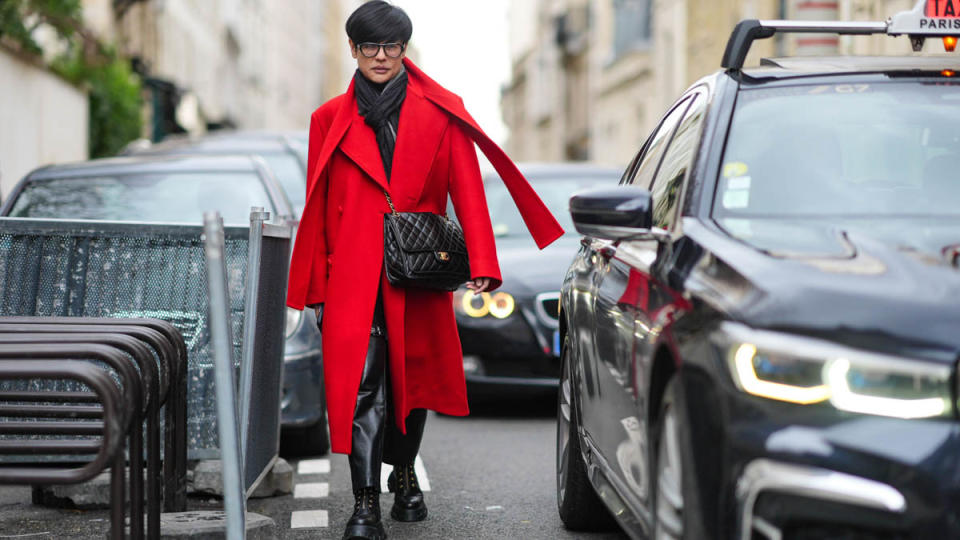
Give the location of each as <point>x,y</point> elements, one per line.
<point>620,213</point>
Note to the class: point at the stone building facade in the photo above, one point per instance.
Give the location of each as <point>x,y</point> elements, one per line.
<point>250,64</point>
<point>43,119</point>
<point>591,78</point>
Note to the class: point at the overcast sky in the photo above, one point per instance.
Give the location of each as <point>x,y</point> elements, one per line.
<point>462,44</point>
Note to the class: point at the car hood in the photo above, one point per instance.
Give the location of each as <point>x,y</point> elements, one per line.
<point>528,270</point>
<point>891,284</point>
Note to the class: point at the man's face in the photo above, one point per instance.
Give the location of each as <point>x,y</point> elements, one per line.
<point>379,68</point>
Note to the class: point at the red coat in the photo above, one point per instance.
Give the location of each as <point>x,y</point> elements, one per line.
<point>338,253</point>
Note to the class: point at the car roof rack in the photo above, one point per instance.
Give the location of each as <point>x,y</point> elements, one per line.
<point>917,23</point>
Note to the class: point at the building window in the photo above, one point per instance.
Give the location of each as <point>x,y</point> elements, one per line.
<point>631,25</point>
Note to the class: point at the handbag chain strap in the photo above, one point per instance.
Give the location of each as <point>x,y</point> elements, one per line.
<point>390,202</point>
<point>394,210</point>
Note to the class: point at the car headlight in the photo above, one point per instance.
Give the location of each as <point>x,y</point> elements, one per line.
<point>294,318</point>
<point>499,304</point>
<point>804,370</point>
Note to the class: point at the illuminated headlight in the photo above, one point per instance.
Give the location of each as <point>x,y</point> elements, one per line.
<point>499,304</point>
<point>804,371</point>
<point>294,318</point>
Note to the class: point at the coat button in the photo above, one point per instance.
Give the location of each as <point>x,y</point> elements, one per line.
<point>340,209</point>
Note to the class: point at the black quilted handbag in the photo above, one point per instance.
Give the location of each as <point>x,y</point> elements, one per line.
<point>423,250</point>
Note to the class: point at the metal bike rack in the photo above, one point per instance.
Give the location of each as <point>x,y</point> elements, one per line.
<point>132,415</point>
<point>170,351</point>
<point>149,370</point>
<point>107,453</point>
<point>123,270</point>
<point>170,348</point>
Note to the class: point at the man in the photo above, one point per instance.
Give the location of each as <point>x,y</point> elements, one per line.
<point>396,138</point>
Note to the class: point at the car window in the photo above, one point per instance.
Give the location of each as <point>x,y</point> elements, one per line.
<point>290,175</point>
<point>165,197</point>
<point>849,150</point>
<point>653,151</point>
<point>555,193</point>
<point>668,184</point>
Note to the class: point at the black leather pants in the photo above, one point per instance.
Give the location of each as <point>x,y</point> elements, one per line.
<point>376,438</point>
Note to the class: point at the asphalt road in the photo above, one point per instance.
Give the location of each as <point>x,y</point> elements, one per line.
<point>490,476</point>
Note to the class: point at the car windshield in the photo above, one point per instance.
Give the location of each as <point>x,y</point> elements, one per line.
<point>180,197</point>
<point>289,174</point>
<point>555,193</point>
<point>847,150</point>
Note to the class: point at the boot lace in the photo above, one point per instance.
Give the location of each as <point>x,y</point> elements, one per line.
<point>365,498</point>
<point>407,476</point>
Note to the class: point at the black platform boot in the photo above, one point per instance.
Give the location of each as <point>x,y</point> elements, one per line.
<point>365,522</point>
<point>408,504</point>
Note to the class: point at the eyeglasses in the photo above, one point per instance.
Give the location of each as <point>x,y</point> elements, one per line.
<point>392,50</point>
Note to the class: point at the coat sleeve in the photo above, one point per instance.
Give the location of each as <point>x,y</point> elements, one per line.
<point>317,293</point>
<point>470,204</point>
<point>308,268</point>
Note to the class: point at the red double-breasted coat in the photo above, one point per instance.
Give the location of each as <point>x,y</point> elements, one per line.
<point>338,253</point>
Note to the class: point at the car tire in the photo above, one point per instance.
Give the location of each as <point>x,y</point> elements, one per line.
<point>676,509</point>
<point>306,441</point>
<point>579,506</point>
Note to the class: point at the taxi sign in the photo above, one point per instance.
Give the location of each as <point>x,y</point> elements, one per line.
<point>928,18</point>
<point>943,9</point>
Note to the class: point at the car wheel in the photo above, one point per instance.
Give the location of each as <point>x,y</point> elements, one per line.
<point>580,507</point>
<point>672,469</point>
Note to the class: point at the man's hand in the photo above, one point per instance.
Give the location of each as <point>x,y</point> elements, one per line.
<point>318,309</point>
<point>480,284</point>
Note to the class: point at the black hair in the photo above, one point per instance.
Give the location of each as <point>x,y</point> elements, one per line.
<point>379,22</point>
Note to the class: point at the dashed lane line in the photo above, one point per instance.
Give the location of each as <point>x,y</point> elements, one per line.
<point>309,519</point>
<point>313,466</point>
<point>316,490</point>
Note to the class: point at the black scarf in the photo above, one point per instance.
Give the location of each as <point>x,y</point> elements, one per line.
<point>380,107</point>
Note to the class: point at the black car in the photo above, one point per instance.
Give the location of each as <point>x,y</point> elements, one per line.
<point>163,188</point>
<point>284,153</point>
<point>509,337</point>
<point>171,189</point>
<point>761,328</point>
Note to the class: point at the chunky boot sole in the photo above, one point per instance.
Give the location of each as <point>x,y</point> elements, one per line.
<point>418,513</point>
<point>365,532</point>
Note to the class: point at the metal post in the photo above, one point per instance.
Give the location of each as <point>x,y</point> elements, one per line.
<point>234,501</point>
<point>257,217</point>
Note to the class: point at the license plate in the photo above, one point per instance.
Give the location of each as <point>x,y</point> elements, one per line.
<point>556,343</point>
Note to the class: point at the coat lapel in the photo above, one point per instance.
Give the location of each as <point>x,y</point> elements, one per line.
<point>360,145</point>
<point>422,126</point>
<point>349,133</point>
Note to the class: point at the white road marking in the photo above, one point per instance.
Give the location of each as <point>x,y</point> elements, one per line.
<point>418,467</point>
<point>317,490</point>
<point>309,519</point>
<point>492,508</point>
<point>313,466</point>
<point>421,474</point>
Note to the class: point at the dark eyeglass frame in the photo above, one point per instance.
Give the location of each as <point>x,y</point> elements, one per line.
<point>383,46</point>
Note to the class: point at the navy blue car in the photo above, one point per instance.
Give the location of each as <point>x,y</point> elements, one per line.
<point>761,328</point>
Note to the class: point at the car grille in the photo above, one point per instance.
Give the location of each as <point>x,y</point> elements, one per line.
<point>547,305</point>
